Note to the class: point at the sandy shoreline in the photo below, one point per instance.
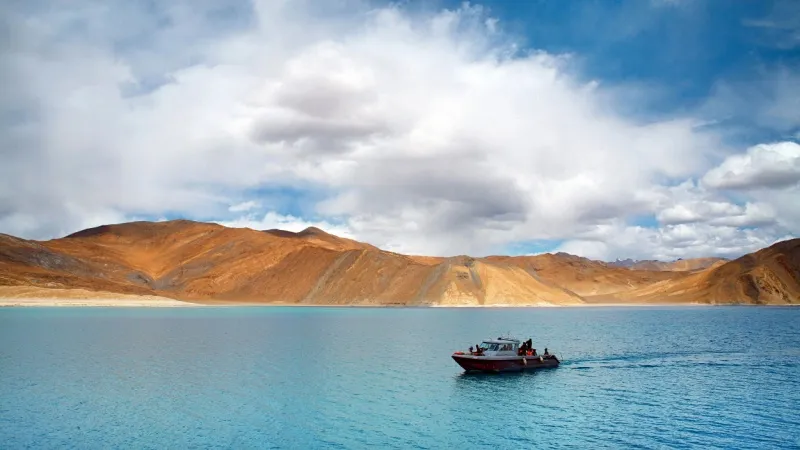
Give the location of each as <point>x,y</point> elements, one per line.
<point>102,302</point>
<point>28,296</point>
<point>161,302</point>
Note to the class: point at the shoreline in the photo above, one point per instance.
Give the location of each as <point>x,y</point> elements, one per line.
<point>33,297</point>
<point>29,296</point>
<point>147,302</point>
<point>162,302</point>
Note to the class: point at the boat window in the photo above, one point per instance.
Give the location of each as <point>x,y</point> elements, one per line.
<point>488,346</point>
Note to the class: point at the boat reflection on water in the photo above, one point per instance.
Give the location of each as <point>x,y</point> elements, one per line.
<point>504,354</point>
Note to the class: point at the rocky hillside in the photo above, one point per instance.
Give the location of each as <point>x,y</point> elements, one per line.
<point>679,265</point>
<point>207,262</point>
<point>582,276</point>
<point>197,261</point>
<point>768,276</point>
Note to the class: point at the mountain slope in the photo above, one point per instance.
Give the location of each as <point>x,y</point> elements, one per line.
<point>680,265</point>
<point>768,276</point>
<point>582,276</point>
<point>199,261</point>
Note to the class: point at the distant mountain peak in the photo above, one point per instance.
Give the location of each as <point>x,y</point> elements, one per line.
<point>679,264</point>
<point>307,232</point>
<point>312,230</point>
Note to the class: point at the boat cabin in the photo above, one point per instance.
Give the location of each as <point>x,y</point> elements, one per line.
<point>500,347</point>
<point>503,346</point>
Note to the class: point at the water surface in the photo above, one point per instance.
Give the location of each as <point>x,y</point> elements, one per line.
<point>671,377</point>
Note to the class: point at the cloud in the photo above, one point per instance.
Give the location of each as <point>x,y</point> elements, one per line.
<point>430,133</point>
<point>670,242</point>
<point>784,203</point>
<point>772,166</point>
<point>272,220</point>
<point>244,206</point>
<point>717,213</point>
<point>694,203</point>
<point>767,174</point>
<point>479,142</point>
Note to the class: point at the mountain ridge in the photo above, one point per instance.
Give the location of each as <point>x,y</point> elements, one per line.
<point>677,265</point>
<point>207,262</point>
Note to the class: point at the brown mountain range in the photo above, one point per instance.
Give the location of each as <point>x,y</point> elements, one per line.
<point>680,265</point>
<point>210,263</point>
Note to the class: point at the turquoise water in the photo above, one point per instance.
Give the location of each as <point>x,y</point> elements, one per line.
<point>299,378</point>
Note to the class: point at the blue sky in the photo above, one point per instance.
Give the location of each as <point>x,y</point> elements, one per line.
<point>680,49</point>
<point>609,129</point>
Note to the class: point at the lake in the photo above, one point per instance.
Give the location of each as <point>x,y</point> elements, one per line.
<point>301,378</point>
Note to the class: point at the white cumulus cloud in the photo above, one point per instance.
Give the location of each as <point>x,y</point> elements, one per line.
<point>272,221</point>
<point>670,242</point>
<point>244,206</point>
<point>430,133</point>
<point>762,166</point>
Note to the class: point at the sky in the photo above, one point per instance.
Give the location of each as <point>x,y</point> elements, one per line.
<point>645,129</point>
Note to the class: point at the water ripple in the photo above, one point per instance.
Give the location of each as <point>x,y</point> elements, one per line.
<point>354,378</point>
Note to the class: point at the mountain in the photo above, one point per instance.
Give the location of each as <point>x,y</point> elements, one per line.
<point>203,262</point>
<point>679,265</point>
<point>768,276</point>
<point>206,262</point>
<point>582,276</point>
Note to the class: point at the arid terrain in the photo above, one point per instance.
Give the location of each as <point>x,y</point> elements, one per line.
<point>680,265</point>
<point>161,262</point>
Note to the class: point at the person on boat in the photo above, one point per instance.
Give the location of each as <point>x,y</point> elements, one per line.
<point>470,349</point>
<point>546,352</point>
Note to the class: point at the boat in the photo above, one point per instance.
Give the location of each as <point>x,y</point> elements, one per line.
<point>504,354</point>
